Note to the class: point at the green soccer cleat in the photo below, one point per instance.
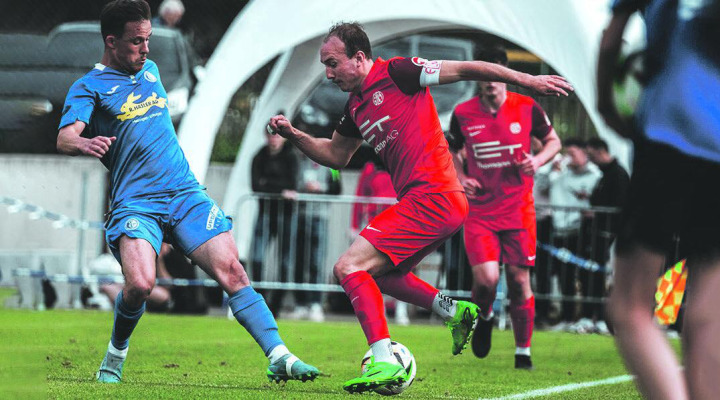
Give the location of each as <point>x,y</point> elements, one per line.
<point>378,374</point>
<point>110,369</point>
<point>289,367</point>
<point>462,325</point>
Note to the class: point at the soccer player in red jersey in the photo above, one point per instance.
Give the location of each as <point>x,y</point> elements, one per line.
<point>491,135</point>
<point>390,107</point>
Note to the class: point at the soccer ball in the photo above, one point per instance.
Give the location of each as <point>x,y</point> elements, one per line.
<point>405,358</point>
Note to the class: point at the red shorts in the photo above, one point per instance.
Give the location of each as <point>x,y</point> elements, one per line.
<point>488,238</point>
<point>416,226</point>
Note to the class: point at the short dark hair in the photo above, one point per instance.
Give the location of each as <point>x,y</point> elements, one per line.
<point>598,144</point>
<point>492,54</point>
<point>574,141</point>
<point>117,13</point>
<point>353,35</point>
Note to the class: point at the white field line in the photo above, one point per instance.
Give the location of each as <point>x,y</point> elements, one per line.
<point>564,388</point>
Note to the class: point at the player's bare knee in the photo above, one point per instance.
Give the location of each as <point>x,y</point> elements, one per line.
<point>137,290</point>
<point>623,312</point>
<point>486,277</point>
<point>344,267</point>
<point>230,274</point>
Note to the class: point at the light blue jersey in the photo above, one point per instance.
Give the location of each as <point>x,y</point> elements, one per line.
<point>154,194</point>
<point>146,159</point>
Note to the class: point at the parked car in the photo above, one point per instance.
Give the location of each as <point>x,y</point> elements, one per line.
<point>324,106</point>
<point>34,82</point>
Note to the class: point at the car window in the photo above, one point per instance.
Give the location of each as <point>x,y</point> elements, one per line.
<point>84,49</point>
<point>21,50</point>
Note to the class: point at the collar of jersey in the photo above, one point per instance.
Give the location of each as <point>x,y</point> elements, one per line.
<point>105,68</point>
<point>372,71</point>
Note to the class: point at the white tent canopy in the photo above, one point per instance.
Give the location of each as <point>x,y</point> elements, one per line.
<point>564,33</point>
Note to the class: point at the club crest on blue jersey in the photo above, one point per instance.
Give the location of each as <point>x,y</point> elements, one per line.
<point>149,76</point>
<point>132,224</point>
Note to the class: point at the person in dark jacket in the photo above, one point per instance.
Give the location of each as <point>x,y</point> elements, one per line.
<point>610,191</point>
<point>274,171</point>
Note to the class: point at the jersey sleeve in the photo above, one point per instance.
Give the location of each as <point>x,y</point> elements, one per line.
<point>454,136</point>
<point>346,126</point>
<point>540,122</point>
<point>412,75</point>
<point>79,105</point>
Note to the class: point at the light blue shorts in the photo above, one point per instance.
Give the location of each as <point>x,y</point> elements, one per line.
<point>186,220</point>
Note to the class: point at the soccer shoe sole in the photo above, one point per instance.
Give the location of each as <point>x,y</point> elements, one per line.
<point>361,387</point>
<point>277,378</point>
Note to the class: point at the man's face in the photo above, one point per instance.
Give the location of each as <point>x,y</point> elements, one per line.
<point>491,89</point>
<point>131,49</point>
<point>343,71</point>
<point>275,142</point>
<point>594,154</point>
<point>577,155</point>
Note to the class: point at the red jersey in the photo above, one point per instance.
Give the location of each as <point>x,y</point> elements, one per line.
<point>494,142</point>
<point>397,117</point>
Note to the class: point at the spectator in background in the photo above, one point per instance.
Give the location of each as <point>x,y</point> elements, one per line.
<point>610,191</point>
<point>571,182</point>
<point>170,13</point>
<point>673,190</point>
<point>274,171</point>
<point>543,216</point>
<point>375,181</point>
<point>311,237</point>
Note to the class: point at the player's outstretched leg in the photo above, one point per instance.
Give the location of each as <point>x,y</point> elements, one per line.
<point>462,324</point>
<point>459,316</point>
<point>250,309</point>
<point>126,318</point>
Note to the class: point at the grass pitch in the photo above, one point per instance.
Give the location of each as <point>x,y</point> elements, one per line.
<point>55,354</point>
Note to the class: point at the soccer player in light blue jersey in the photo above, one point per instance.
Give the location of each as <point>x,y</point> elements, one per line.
<point>118,113</point>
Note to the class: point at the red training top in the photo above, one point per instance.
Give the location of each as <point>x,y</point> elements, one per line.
<point>494,144</point>
<point>397,117</point>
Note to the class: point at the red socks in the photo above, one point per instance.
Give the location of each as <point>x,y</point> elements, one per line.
<point>408,288</point>
<point>522,315</point>
<point>367,301</point>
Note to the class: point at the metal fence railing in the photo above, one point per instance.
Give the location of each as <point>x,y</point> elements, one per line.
<point>297,241</point>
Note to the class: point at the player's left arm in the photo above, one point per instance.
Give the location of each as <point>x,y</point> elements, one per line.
<point>551,146</point>
<point>546,85</point>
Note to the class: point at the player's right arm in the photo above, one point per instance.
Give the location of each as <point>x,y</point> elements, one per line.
<point>334,153</point>
<point>77,112</point>
<point>70,142</point>
<point>546,85</point>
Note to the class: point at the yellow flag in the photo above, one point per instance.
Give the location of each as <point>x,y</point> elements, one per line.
<point>669,294</point>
